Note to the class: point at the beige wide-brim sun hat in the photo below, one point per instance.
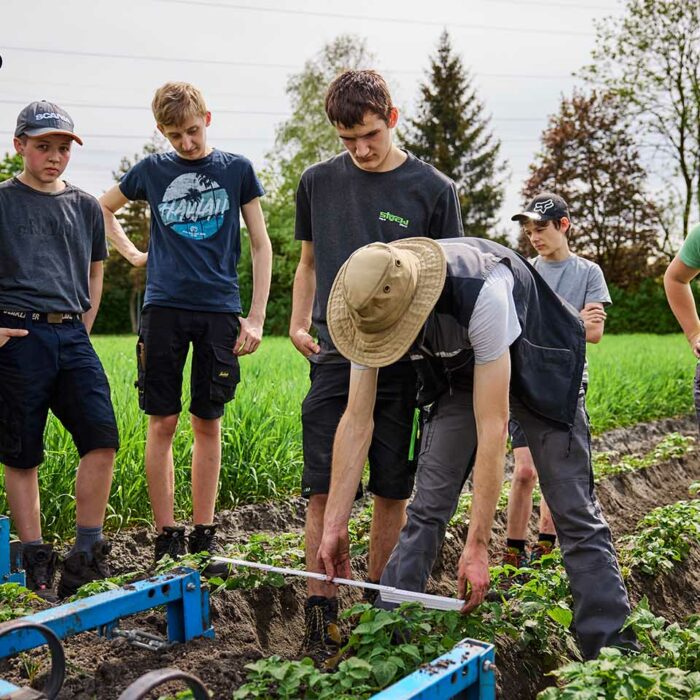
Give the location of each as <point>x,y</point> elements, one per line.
<point>382,296</point>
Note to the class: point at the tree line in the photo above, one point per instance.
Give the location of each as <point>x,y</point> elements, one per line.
<point>623,149</point>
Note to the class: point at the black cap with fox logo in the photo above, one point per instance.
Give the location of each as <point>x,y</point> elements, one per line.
<point>546,206</point>
<point>43,118</point>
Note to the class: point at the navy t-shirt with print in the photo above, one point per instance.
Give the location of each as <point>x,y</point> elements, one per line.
<point>195,227</point>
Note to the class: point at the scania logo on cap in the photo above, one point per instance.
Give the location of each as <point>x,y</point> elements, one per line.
<point>51,115</point>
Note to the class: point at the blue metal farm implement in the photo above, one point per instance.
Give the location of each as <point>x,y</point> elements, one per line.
<point>465,673</point>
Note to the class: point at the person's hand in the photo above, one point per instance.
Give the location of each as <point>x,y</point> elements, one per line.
<point>7,333</point>
<point>694,342</point>
<point>333,554</point>
<point>249,337</point>
<point>473,576</point>
<point>139,259</point>
<point>304,342</point>
<point>592,313</point>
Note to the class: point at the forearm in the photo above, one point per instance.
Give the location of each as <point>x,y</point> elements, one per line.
<point>117,237</point>
<point>261,254</point>
<point>594,331</point>
<point>487,482</point>
<point>302,298</point>
<point>350,448</point>
<point>682,303</point>
<point>95,287</point>
<point>491,382</point>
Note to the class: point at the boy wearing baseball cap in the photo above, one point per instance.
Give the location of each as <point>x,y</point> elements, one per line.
<point>52,245</point>
<point>197,195</point>
<point>547,224</point>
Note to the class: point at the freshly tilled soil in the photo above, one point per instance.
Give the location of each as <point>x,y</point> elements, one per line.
<point>251,624</point>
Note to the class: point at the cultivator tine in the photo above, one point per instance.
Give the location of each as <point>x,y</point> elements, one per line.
<point>387,593</point>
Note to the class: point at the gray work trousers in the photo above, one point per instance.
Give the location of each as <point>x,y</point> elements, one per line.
<point>563,461</point>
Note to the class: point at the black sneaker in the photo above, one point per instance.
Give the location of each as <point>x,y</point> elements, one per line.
<point>171,542</point>
<point>40,563</point>
<point>203,539</point>
<point>322,640</point>
<point>78,569</point>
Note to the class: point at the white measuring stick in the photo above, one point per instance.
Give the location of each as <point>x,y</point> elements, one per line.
<point>388,593</point>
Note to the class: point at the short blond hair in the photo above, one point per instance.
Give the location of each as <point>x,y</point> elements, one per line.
<point>176,102</point>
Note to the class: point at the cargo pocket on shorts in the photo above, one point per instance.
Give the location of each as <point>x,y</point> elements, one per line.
<point>225,374</point>
<point>10,439</point>
<point>140,382</point>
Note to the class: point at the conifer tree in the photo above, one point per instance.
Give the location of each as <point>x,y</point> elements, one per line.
<point>451,132</point>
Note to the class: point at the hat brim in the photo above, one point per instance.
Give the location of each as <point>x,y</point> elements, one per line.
<point>391,344</point>
<point>530,215</point>
<point>34,133</point>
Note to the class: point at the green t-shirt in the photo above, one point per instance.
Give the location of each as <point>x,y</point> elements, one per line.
<point>690,251</point>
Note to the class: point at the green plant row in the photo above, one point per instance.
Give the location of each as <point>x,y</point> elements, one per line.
<point>537,614</point>
<point>664,538</point>
<point>672,446</point>
<point>668,666</point>
<point>385,646</point>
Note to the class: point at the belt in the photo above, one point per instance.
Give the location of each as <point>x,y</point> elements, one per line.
<point>50,317</point>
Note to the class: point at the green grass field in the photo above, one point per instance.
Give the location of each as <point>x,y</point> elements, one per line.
<point>633,378</point>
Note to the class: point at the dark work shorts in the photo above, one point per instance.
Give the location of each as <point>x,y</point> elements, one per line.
<point>164,339</point>
<point>54,367</point>
<point>391,470</point>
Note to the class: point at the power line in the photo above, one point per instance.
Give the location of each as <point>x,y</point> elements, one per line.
<point>392,20</point>
<point>147,108</point>
<point>252,64</point>
<point>233,111</point>
<point>137,57</point>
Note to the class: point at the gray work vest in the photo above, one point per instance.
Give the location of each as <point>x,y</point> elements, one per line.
<point>548,356</point>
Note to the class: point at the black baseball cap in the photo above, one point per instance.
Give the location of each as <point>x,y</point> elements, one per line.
<point>41,118</point>
<point>546,206</point>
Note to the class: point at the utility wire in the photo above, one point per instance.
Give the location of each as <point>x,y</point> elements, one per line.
<point>253,64</point>
<point>231,111</point>
<point>393,20</point>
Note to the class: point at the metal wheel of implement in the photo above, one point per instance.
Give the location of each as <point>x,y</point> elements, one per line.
<point>153,679</point>
<point>58,657</point>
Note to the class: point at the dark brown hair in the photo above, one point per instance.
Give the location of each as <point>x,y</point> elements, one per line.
<point>354,93</point>
<point>543,224</point>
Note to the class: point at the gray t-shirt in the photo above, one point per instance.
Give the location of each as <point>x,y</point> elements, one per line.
<point>578,281</point>
<point>575,279</point>
<point>340,208</point>
<point>47,242</point>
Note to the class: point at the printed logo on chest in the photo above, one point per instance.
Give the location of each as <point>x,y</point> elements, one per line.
<point>194,206</point>
<point>394,218</point>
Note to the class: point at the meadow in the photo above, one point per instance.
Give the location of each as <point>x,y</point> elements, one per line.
<point>633,378</point>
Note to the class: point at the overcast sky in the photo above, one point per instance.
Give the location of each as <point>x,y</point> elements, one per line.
<point>102,60</point>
